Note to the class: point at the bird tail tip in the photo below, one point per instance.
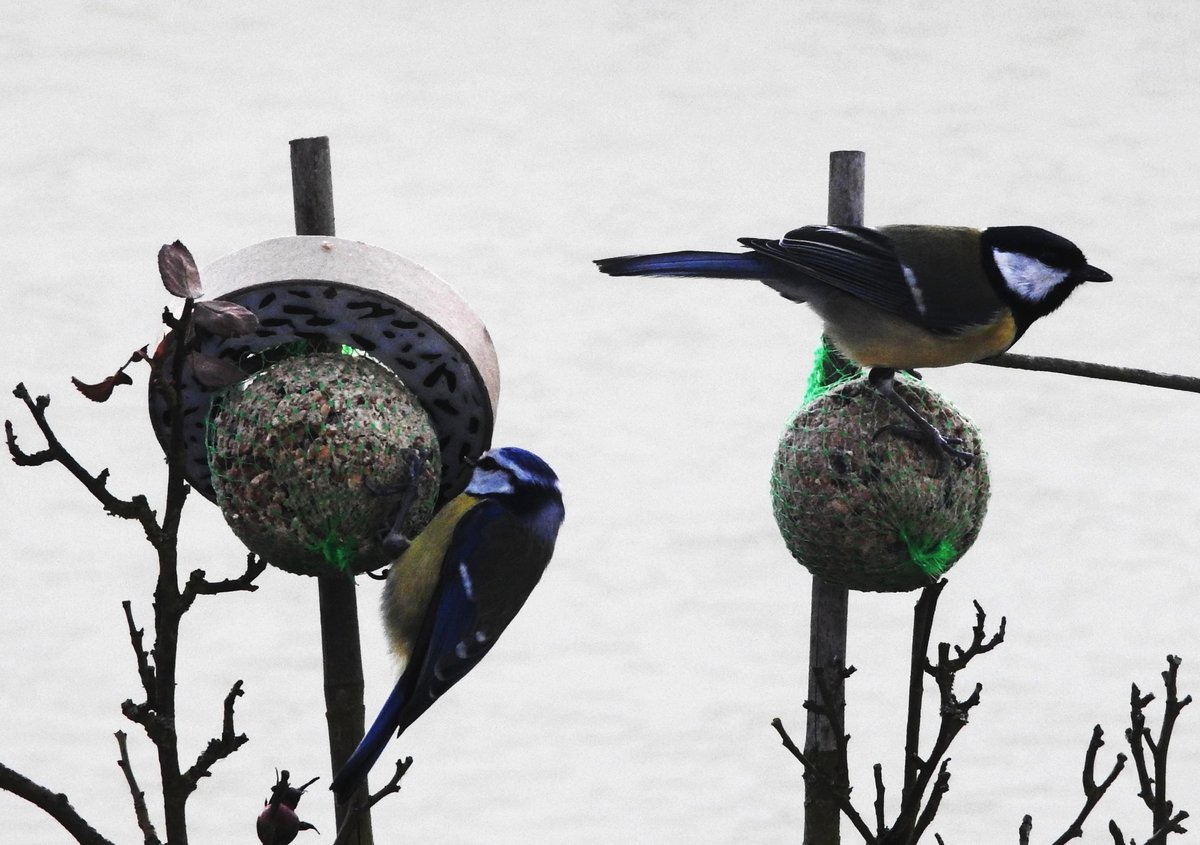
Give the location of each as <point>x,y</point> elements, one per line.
<point>714,265</point>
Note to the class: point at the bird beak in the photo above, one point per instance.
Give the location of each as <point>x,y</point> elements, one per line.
<point>1095,274</point>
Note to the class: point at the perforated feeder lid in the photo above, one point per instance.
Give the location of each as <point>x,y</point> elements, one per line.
<point>329,292</point>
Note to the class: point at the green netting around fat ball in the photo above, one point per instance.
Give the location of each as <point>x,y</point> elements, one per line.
<point>873,513</point>
<point>829,369</point>
<point>309,457</point>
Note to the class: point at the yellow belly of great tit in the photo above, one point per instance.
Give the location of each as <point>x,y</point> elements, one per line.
<point>873,338</point>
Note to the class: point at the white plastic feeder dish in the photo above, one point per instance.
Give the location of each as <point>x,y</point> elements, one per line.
<point>329,292</point>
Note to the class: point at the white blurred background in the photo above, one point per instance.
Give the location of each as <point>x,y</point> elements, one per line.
<point>504,146</point>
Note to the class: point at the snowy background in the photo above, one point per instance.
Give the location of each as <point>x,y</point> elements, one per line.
<point>504,146</point>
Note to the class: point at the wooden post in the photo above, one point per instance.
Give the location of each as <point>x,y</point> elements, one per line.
<point>341,652</point>
<point>830,602</point>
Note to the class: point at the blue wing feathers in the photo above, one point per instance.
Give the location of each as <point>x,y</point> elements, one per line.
<point>426,677</point>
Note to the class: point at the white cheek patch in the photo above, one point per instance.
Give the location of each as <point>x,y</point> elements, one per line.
<point>1027,277</point>
<point>490,482</point>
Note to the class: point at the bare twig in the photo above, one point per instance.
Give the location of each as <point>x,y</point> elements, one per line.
<point>1024,830</point>
<point>1171,825</point>
<point>880,823</point>
<point>1152,776</point>
<point>145,669</point>
<point>54,804</point>
<point>137,508</point>
<point>832,707</point>
<point>940,787</point>
<point>353,814</point>
<point>198,584</point>
<point>980,643</point>
<point>839,791</point>
<point>917,812</point>
<point>156,665</point>
<point>923,615</point>
<point>1092,791</point>
<point>1135,735</point>
<point>1115,832</point>
<point>141,811</point>
<point>220,747</point>
<point>1087,369</point>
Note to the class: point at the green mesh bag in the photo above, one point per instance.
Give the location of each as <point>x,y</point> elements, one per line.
<point>874,513</point>
<point>310,456</point>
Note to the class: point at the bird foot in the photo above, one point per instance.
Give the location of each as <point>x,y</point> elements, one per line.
<point>393,539</point>
<point>944,449</point>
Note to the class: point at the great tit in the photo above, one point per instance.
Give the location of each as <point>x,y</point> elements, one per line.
<point>902,297</point>
<point>457,587</point>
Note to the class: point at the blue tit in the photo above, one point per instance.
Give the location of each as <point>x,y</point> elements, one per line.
<point>452,593</point>
<point>902,297</point>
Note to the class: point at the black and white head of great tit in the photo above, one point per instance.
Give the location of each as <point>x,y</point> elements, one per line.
<point>1037,269</point>
<point>901,297</point>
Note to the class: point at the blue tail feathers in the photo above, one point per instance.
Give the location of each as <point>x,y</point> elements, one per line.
<point>355,769</point>
<point>709,265</point>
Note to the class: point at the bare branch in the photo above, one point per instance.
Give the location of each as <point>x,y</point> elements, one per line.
<point>350,824</point>
<point>198,585</point>
<point>144,714</point>
<point>980,643</point>
<point>20,457</point>
<point>1135,735</point>
<point>1099,371</point>
<point>1172,825</point>
<point>1152,775</point>
<point>915,810</point>
<point>940,787</point>
<point>880,823</point>
<point>139,798</point>
<point>54,804</point>
<point>1092,791</point>
<point>145,669</point>
<point>220,747</point>
<point>840,792</point>
<point>137,508</point>
<point>1024,830</point>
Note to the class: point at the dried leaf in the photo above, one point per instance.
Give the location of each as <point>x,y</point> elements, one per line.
<point>214,372</point>
<point>101,391</point>
<point>178,270</point>
<point>225,318</point>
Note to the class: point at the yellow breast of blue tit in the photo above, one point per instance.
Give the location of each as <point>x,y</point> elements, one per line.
<point>414,576</point>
